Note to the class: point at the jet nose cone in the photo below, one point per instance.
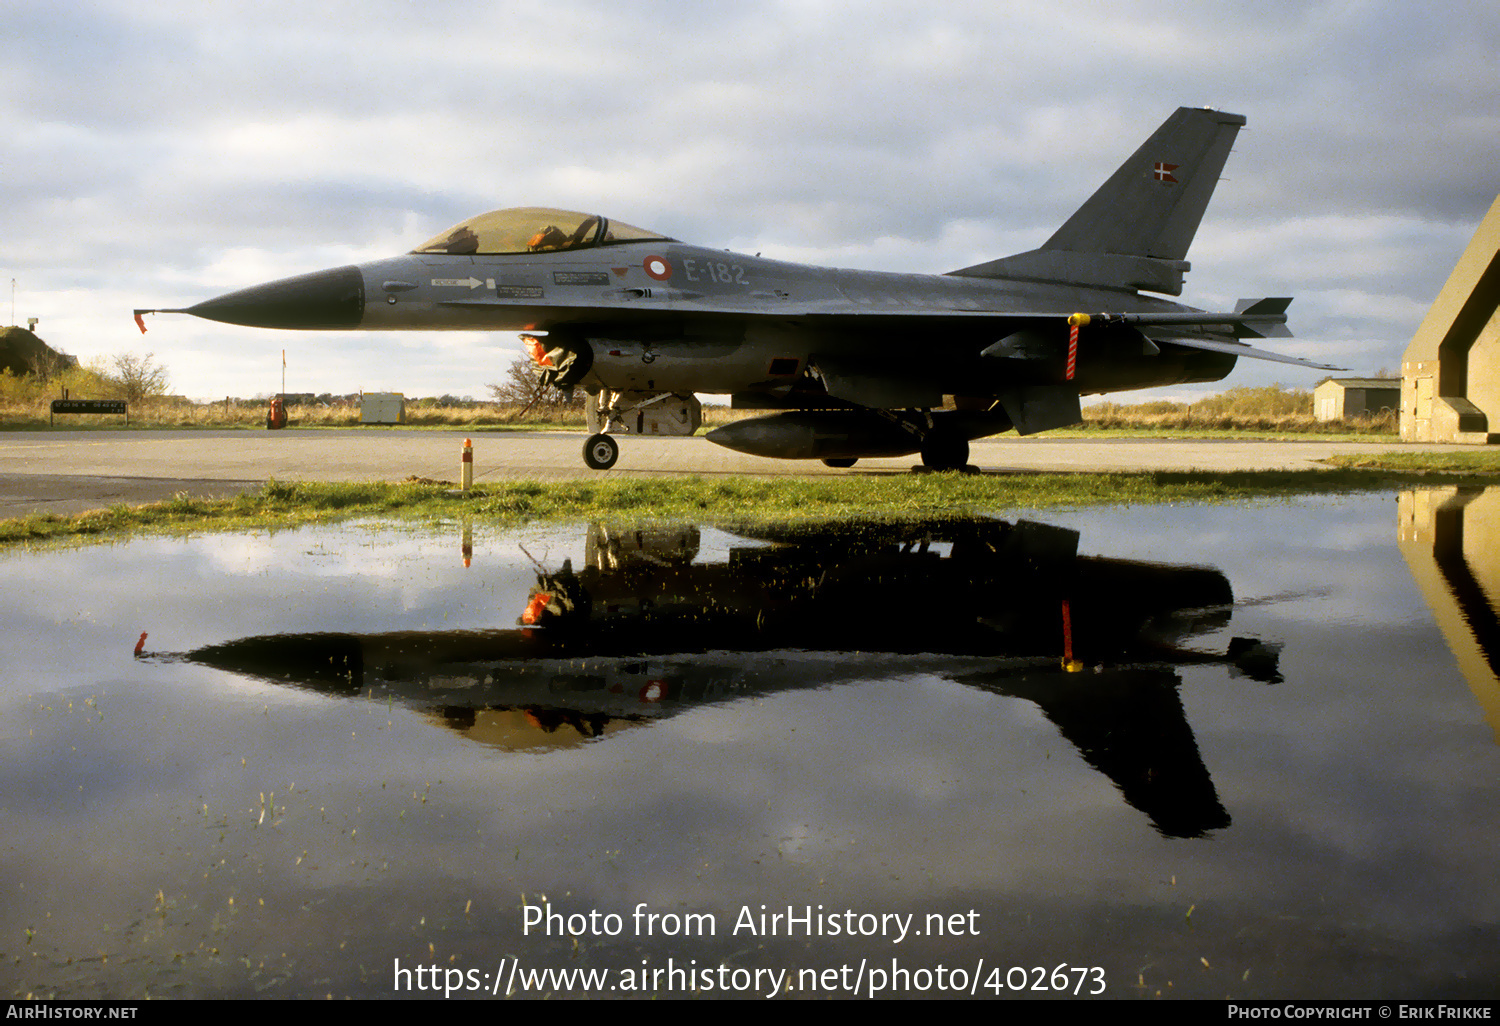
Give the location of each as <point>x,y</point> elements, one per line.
<point>323,299</point>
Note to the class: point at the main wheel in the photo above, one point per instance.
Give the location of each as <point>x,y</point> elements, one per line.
<point>942,451</point>
<point>600,452</point>
<point>842,463</point>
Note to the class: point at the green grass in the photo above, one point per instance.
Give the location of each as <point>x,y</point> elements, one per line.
<point>1288,434</point>
<point>723,500</point>
<point>81,424</point>
<point>1461,461</point>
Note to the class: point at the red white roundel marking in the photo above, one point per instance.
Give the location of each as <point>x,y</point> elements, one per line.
<point>657,267</point>
<point>654,691</point>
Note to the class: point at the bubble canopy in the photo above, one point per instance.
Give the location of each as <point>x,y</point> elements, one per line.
<point>533,230</point>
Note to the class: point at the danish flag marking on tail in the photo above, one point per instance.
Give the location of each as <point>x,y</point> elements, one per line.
<point>1163,172</point>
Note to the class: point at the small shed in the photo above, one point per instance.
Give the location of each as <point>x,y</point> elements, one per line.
<point>382,408</point>
<point>1342,398</point>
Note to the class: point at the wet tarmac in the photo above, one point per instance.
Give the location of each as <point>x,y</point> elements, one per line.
<point>1175,751</point>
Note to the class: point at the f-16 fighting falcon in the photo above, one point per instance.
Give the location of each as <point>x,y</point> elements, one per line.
<point>853,363</point>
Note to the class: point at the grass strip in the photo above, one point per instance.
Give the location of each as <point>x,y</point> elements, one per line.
<point>1464,461</point>
<point>1148,432</point>
<point>721,500</point>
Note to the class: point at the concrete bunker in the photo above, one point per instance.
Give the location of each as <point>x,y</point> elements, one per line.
<point>1450,373</point>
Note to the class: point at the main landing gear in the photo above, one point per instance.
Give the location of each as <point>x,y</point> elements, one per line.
<point>944,450</point>
<point>941,450</point>
<point>942,441</point>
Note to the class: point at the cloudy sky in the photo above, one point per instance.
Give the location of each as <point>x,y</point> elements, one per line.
<point>159,154</point>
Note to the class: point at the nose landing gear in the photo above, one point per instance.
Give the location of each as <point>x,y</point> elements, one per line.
<point>635,413</point>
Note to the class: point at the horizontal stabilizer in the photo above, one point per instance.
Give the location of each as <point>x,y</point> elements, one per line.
<point>1241,349</point>
<point>1252,318</point>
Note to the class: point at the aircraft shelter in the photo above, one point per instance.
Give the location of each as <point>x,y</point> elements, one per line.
<point>1450,373</point>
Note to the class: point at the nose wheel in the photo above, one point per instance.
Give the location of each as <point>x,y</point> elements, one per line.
<point>600,452</point>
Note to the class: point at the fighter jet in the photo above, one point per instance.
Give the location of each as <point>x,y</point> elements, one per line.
<point>859,363</point>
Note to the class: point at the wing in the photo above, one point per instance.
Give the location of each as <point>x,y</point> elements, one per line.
<point>1251,318</point>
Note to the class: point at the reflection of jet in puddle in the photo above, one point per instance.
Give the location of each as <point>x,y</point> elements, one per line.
<point>643,631</point>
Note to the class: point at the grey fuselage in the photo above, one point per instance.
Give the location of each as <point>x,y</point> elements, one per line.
<point>665,316</point>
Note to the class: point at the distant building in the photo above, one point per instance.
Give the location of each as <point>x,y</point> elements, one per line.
<point>382,408</point>
<point>1450,374</point>
<point>1342,398</point>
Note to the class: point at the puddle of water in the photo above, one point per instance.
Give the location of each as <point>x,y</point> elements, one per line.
<point>1199,751</point>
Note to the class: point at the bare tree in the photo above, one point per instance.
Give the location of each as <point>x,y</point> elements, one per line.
<point>51,362</point>
<point>522,387</point>
<point>139,376</point>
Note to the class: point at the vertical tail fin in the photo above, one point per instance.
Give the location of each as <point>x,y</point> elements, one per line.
<point>1151,206</point>
<point>1134,232</point>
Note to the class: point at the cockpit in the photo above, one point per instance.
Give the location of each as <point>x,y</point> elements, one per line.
<point>533,230</point>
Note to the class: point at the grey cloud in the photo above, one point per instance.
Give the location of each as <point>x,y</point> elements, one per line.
<point>143,144</point>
